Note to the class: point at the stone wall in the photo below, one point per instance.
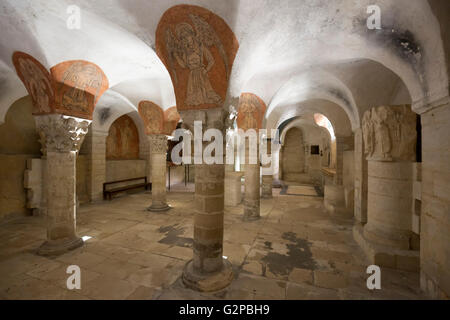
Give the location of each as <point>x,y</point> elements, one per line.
<point>435,213</point>
<point>18,142</point>
<point>360,179</point>
<point>82,179</point>
<point>124,169</point>
<point>12,191</point>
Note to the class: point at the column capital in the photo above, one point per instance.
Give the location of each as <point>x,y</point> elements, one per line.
<point>61,133</point>
<point>158,143</point>
<point>389,133</point>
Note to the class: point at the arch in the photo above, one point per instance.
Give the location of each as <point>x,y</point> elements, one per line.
<point>122,142</point>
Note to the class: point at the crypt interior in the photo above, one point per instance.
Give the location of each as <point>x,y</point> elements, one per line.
<point>355,118</point>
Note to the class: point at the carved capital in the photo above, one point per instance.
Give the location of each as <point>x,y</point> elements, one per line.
<point>389,133</point>
<point>61,133</point>
<point>158,143</point>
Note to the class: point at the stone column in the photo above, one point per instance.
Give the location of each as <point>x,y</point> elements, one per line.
<point>96,145</point>
<point>334,193</point>
<point>61,137</point>
<point>158,150</point>
<point>252,191</point>
<point>208,270</point>
<point>360,179</point>
<point>390,145</point>
<point>435,208</point>
<point>267,173</point>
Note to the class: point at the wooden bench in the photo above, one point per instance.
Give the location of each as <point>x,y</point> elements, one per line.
<point>107,193</point>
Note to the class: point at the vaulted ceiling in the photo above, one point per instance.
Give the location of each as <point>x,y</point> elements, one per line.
<point>297,56</point>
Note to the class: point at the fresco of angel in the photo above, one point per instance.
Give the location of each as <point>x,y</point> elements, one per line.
<point>190,49</point>
<point>38,84</point>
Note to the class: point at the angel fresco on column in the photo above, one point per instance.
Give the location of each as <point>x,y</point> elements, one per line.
<point>190,50</point>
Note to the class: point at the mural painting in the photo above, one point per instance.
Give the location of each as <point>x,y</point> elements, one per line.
<point>78,85</point>
<point>250,112</point>
<point>198,49</point>
<point>71,88</point>
<point>37,81</point>
<point>122,142</point>
<point>152,116</point>
<point>171,119</point>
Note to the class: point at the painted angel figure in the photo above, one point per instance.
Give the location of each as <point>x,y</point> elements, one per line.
<point>190,50</point>
<point>38,84</point>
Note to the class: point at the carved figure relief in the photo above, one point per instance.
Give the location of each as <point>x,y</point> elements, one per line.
<point>37,81</point>
<point>198,57</point>
<point>153,117</point>
<point>251,112</point>
<point>79,85</point>
<point>122,142</point>
<point>390,133</point>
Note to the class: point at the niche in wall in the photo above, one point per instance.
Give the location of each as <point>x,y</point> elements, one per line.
<point>315,149</point>
<point>122,142</point>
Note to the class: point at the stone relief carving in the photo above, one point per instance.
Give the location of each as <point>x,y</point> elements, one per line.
<point>36,80</point>
<point>60,133</point>
<point>389,133</point>
<point>158,143</point>
<point>189,49</point>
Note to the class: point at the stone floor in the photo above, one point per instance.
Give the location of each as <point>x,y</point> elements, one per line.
<point>295,251</point>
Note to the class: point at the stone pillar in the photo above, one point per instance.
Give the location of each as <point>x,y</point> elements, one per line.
<point>360,179</point>
<point>342,144</point>
<point>96,144</point>
<point>435,209</point>
<point>252,184</point>
<point>334,194</point>
<point>233,194</point>
<point>267,173</point>
<point>61,137</point>
<point>390,145</point>
<point>158,150</point>
<point>208,270</point>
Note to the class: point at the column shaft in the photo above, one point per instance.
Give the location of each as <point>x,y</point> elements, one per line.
<point>252,187</point>
<point>61,137</point>
<point>158,149</point>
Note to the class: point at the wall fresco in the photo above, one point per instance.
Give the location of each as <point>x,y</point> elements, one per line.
<point>122,142</point>
<point>153,117</point>
<point>198,49</point>
<point>250,111</point>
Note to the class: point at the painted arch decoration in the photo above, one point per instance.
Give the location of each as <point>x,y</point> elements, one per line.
<point>37,81</point>
<point>171,119</point>
<point>71,88</point>
<point>78,86</point>
<point>198,49</point>
<point>251,111</point>
<point>153,117</point>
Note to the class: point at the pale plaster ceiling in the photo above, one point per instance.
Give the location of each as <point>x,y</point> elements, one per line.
<point>290,52</point>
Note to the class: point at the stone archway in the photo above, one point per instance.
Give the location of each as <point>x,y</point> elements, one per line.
<point>293,156</point>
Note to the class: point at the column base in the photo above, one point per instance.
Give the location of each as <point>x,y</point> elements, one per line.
<point>58,247</point>
<point>251,210</point>
<point>159,208</point>
<point>334,201</point>
<point>383,256</point>
<point>207,282</point>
